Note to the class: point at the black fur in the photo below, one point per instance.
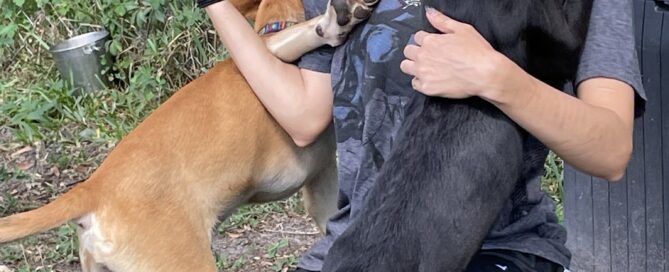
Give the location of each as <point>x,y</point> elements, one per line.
<point>457,161</point>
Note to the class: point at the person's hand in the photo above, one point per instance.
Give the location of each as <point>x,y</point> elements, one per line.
<point>457,63</point>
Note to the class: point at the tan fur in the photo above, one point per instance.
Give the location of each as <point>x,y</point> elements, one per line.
<point>211,147</point>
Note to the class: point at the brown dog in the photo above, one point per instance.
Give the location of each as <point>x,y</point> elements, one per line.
<point>211,147</point>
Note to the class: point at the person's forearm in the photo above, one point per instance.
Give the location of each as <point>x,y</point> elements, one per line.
<point>279,86</point>
<point>591,138</point>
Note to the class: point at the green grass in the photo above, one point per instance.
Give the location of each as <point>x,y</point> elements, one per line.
<point>552,182</point>
<point>252,215</point>
<point>37,253</point>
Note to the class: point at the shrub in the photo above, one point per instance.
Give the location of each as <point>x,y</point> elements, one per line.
<point>157,47</point>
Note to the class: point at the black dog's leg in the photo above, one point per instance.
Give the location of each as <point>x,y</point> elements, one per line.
<point>437,195</point>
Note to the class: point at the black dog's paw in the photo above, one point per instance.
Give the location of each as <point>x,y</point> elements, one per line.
<point>352,9</point>
<point>340,18</point>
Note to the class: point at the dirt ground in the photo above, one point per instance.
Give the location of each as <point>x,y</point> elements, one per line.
<point>268,238</point>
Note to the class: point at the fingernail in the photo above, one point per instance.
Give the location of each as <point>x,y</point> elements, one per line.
<point>430,10</point>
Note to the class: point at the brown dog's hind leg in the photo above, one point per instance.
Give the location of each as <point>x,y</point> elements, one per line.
<point>320,195</point>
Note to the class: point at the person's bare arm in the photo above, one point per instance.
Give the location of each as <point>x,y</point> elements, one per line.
<point>593,133</point>
<point>299,99</point>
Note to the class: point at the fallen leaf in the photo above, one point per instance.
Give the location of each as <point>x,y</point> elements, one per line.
<point>53,171</point>
<point>21,151</point>
<point>26,165</point>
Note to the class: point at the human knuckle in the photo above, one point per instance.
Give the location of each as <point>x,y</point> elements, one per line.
<point>422,56</point>
<point>423,72</point>
<point>428,39</point>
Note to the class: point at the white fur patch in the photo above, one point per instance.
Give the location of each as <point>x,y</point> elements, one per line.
<point>92,239</point>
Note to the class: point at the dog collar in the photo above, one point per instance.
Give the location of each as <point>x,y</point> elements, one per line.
<point>275,27</point>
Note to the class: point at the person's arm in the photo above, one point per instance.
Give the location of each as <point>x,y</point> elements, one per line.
<point>299,99</point>
<point>593,133</point>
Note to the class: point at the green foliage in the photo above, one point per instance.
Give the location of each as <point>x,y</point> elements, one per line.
<point>552,182</point>
<point>156,46</point>
<point>252,215</point>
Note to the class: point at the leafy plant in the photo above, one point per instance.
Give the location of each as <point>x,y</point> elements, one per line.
<point>156,46</point>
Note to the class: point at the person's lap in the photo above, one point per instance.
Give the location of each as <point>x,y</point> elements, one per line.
<point>506,261</point>
<point>510,261</point>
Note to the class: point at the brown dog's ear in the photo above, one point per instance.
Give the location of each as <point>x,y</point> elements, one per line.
<point>248,8</point>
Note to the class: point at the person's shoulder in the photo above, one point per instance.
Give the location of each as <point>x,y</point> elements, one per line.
<point>618,13</point>
<point>610,45</point>
<point>610,49</point>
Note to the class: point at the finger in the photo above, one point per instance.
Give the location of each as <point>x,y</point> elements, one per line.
<point>411,52</point>
<point>408,67</point>
<point>416,84</point>
<point>442,22</point>
<point>420,36</point>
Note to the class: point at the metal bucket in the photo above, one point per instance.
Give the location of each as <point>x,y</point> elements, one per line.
<point>79,60</point>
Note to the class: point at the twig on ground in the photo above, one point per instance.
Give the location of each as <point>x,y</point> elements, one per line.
<point>293,232</point>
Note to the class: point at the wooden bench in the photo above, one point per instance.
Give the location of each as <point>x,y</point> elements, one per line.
<point>624,226</point>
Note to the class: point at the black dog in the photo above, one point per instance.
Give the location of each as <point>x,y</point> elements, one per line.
<point>465,156</point>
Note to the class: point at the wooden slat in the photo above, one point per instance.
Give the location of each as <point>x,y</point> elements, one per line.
<point>602,226</point>
<point>570,215</point>
<point>581,240</point>
<point>636,203</point>
<point>653,140</point>
<point>618,218</point>
<point>664,97</point>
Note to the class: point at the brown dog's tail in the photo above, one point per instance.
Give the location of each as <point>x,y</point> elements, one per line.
<point>72,204</point>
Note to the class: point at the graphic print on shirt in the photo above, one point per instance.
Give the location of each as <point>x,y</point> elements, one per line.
<point>371,92</point>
